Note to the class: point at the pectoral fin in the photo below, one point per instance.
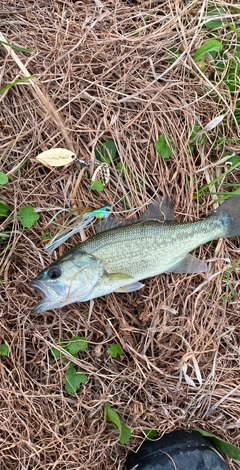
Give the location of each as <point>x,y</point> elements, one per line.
<point>130,287</point>
<point>189,264</point>
<point>118,276</point>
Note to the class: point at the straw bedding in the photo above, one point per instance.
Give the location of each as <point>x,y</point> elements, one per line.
<point>101,72</point>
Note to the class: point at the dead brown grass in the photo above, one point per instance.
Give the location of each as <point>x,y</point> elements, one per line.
<point>96,79</point>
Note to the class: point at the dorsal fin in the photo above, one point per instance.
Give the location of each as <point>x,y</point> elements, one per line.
<point>160,209</point>
<point>111,222</point>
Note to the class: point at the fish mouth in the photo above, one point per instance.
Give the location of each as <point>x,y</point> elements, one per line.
<point>50,296</point>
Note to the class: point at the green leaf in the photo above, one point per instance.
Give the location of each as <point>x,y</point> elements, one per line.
<point>237,112</point>
<point>3,178</point>
<point>113,417</point>
<point>74,379</point>
<point>86,314</point>
<point>73,346</point>
<point>231,288</point>
<point>119,166</point>
<point>164,146</point>
<point>234,160</point>
<point>16,48</point>
<point>28,216</point>
<point>115,349</point>
<point>3,237</point>
<point>106,152</point>
<point>201,191</point>
<point>233,28</point>
<point>97,185</point>
<point>76,344</point>
<point>45,236</point>
<point>150,433</point>
<point>146,17</point>
<point>213,45</point>
<point>19,80</point>
<point>196,137</point>
<point>224,140</point>
<point>56,353</point>
<point>4,210</point>
<point>174,53</point>
<point>4,350</point>
<point>228,449</point>
<point>214,24</point>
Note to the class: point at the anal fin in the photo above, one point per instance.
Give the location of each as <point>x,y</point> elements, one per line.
<point>189,264</point>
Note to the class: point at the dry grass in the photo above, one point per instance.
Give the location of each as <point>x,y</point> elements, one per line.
<point>95,79</point>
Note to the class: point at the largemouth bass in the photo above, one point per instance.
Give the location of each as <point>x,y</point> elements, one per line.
<point>116,259</point>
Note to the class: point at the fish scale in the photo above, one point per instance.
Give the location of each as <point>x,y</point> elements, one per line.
<point>148,248</point>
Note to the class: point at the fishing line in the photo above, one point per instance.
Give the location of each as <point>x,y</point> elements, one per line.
<point>135,209</point>
<point>54,217</point>
<point>67,203</point>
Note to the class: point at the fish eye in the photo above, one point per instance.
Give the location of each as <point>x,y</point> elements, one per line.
<point>54,272</point>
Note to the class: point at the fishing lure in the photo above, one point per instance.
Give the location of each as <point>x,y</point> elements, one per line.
<point>74,223</point>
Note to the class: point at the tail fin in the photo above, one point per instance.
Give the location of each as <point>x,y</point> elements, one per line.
<point>230,211</point>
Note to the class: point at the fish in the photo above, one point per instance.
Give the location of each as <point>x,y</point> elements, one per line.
<point>123,253</point>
